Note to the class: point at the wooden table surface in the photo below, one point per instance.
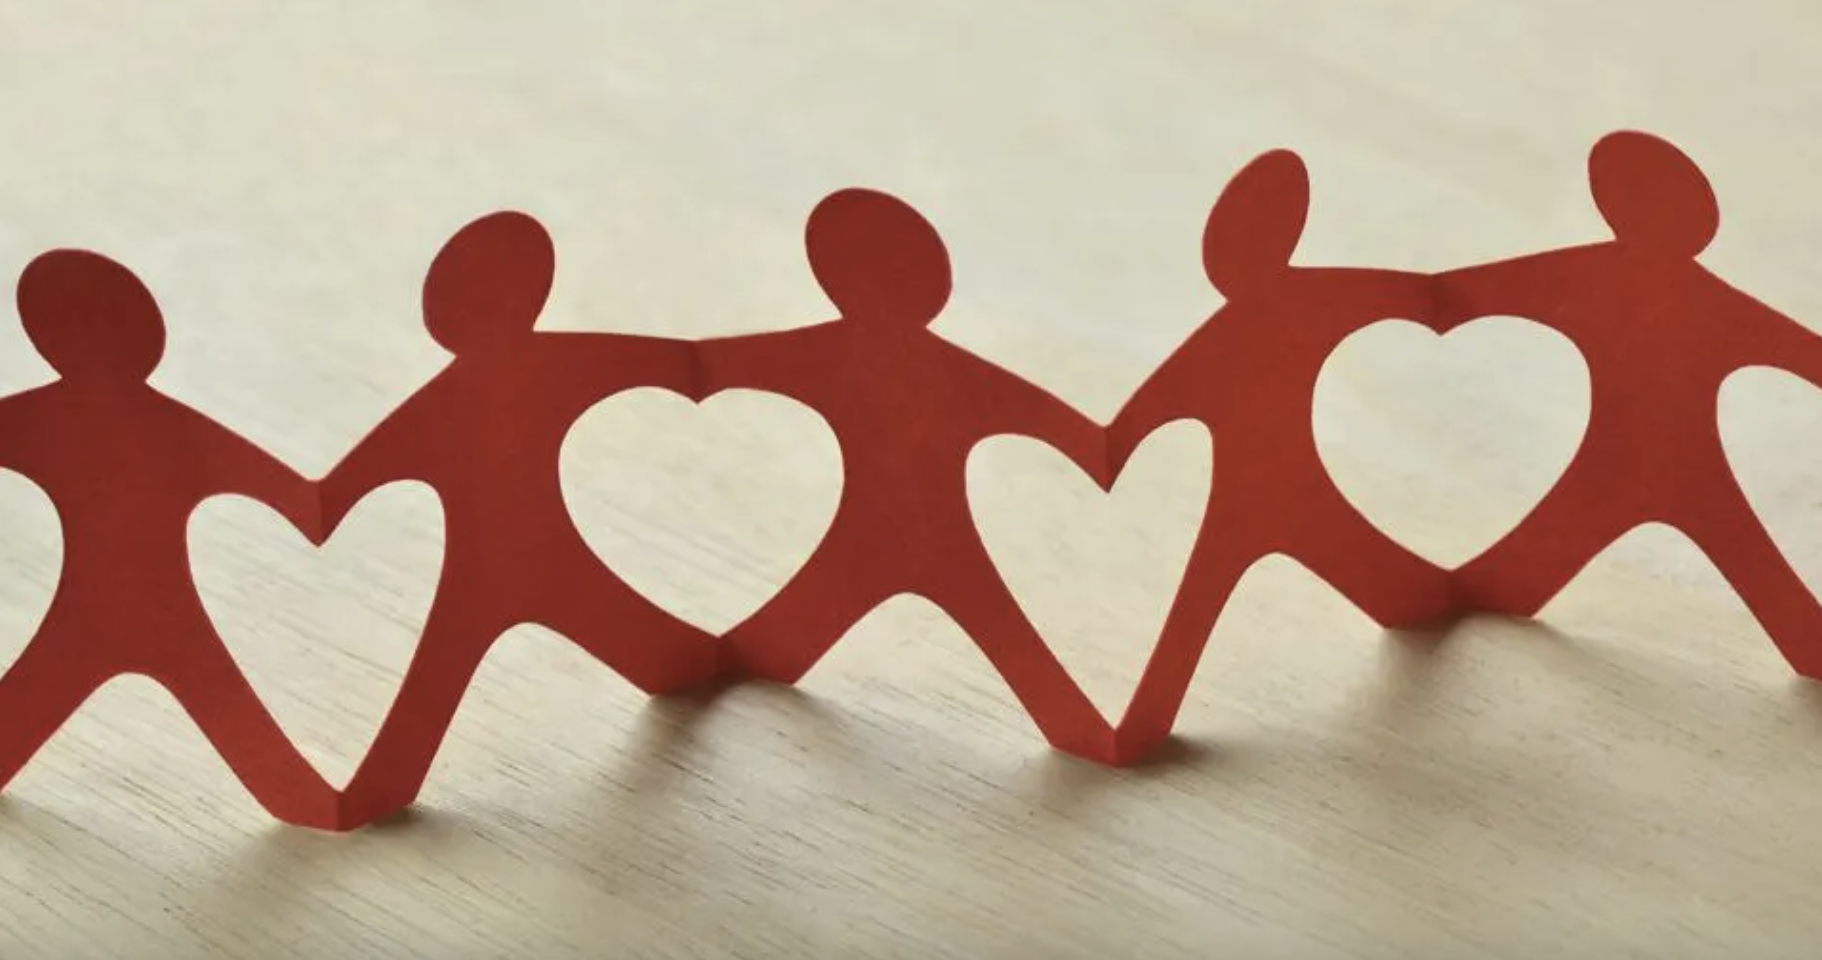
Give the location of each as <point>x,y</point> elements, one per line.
<point>1638,775</point>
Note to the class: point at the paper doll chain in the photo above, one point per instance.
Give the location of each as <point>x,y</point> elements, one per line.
<point>906,408</point>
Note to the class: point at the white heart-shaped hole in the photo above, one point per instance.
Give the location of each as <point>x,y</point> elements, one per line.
<point>1445,443</point>
<point>323,634</point>
<point>705,509</point>
<point>1769,420</point>
<point>1095,572</point>
<point>29,565</point>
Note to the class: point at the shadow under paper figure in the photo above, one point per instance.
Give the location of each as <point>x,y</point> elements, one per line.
<point>906,408</point>
<point>1249,375</point>
<point>1660,334</point>
<point>125,467</point>
<point>486,434</point>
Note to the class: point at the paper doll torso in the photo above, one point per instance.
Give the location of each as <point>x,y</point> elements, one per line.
<point>125,470</point>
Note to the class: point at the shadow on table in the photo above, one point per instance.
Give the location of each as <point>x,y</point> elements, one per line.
<point>1499,755</point>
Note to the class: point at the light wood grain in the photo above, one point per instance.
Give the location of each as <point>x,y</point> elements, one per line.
<point>1640,777</point>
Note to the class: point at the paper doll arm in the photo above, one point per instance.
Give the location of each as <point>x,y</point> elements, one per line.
<point>381,457</point>
<point>1022,407</point>
<point>239,466</point>
<point>585,368</point>
<point>1781,342</point>
<point>1177,389</point>
<point>787,362</point>
<point>1531,287</point>
<point>1365,296</point>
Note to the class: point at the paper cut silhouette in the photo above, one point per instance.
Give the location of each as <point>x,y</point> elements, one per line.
<point>1659,333</point>
<point>1249,375</point>
<point>125,465</point>
<point>906,408</point>
<point>485,433</point>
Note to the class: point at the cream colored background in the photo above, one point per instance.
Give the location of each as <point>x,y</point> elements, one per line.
<point>1639,778</point>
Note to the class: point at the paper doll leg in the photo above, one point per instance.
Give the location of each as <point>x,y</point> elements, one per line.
<point>45,686</point>
<point>394,770</point>
<point>1737,543</point>
<point>217,696</point>
<point>652,649</point>
<point>1392,585</point>
<point>1528,567</point>
<point>1214,570</point>
<point>788,636</point>
<point>983,606</point>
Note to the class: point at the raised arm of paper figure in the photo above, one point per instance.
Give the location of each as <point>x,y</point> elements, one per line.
<point>586,368</point>
<point>1771,339</point>
<point>404,446</point>
<point>1535,287</point>
<point>1369,295</point>
<point>1175,390</point>
<point>788,362</point>
<point>1019,406</point>
<point>242,467</point>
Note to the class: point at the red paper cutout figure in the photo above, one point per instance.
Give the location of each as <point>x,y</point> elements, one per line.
<point>906,407</point>
<point>486,434</point>
<point>126,466</point>
<point>1249,375</point>
<point>1659,333</point>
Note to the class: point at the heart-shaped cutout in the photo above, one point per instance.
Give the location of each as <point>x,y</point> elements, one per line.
<point>323,634</point>
<point>1445,443</point>
<point>30,564</point>
<point>1094,571</point>
<point>706,509</point>
<point>1768,421</point>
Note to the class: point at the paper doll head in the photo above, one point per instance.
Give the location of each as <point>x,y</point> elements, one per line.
<point>1254,226</point>
<point>90,318</point>
<point>489,283</point>
<point>1652,194</point>
<point>877,259</point>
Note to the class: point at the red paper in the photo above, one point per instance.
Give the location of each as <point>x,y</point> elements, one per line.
<point>486,434</point>
<point>906,407</point>
<point>1249,374</point>
<point>1659,334</point>
<point>125,465</point>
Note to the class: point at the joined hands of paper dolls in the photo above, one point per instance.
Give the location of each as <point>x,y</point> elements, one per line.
<point>906,407</point>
